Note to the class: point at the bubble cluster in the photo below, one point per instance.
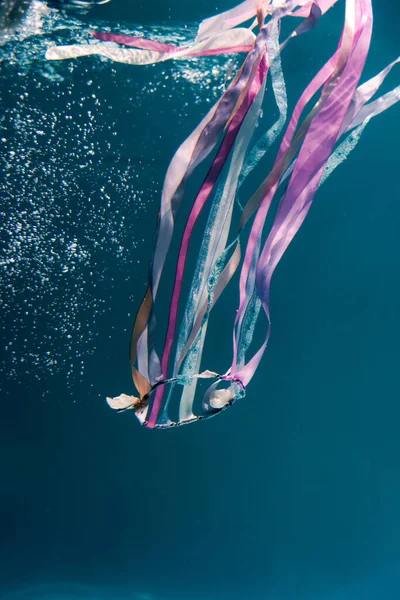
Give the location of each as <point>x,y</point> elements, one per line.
<point>76,182</point>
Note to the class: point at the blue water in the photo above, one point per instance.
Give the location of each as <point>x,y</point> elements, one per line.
<point>291,494</point>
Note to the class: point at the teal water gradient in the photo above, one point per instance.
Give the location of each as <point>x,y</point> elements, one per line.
<point>291,494</point>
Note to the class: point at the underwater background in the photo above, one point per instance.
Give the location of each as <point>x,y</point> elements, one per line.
<point>294,493</point>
